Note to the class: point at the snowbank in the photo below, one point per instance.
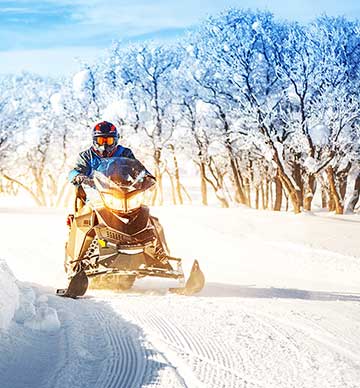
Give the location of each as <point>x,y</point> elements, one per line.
<point>44,318</point>
<point>9,295</point>
<point>34,313</point>
<point>18,302</point>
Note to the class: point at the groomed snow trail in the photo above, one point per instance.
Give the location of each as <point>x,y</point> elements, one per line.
<point>136,340</point>
<point>242,342</point>
<point>276,313</point>
<point>95,347</point>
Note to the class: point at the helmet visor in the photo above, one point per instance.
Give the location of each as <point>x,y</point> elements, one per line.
<point>101,140</point>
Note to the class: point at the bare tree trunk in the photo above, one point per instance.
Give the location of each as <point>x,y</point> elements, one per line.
<point>339,208</point>
<point>173,193</point>
<point>342,178</point>
<point>266,193</point>
<point>247,191</point>
<point>271,193</point>
<point>217,182</point>
<point>278,192</point>
<point>186,193</point>
<point>223,201</point>
<point>158,196</point>
<point>331,202</point>
<point>286,201</point>
<point>240,194</point>
<point>299,183</point>
<point>177,176</point>
<point>237,179</point>
<point>262,194</point>
<point>309,191</point>
<point>323,198</point>
<point>203,185</point>
<point>257,197</point>
<point>26,188</point>
<point>286,182</point>
<point>355,195</point>
<point>292,193</point>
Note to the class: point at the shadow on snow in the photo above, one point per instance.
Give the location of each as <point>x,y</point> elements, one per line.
<point>94,347</point>
<point>251,291</point>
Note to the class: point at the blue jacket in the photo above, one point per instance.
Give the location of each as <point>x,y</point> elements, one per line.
<point>89,160</point>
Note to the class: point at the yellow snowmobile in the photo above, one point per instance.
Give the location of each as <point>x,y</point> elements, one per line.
<point>113,239</point>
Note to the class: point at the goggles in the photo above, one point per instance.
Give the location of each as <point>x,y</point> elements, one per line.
<point>101,140</point>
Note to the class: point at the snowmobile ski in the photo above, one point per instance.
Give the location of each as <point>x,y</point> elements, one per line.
<point>194,284</point>
<point>77,286</point>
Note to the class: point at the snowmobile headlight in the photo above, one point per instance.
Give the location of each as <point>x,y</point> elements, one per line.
<point>135,201</point>
<point>113,202</point>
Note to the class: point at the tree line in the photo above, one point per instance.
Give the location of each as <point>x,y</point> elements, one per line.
<point>266,111</point>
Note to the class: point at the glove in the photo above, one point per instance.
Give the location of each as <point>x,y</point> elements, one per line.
<point>79,179</point>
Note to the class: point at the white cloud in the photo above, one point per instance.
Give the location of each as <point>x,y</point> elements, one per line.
<point>92,25</point>
<point>53,62</point>
<point>15,9</point>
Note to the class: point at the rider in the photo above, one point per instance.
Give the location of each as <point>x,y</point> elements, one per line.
<point>105,145</point>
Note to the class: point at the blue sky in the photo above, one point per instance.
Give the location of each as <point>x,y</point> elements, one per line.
<point>46,36</point>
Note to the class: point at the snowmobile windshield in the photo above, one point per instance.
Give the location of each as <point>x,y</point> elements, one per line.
<point>122,176</point>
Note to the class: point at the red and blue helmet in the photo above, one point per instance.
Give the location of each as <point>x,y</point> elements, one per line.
<point>105,138</point>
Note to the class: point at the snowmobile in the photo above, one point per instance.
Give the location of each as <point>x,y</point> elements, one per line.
<point>113,239</point>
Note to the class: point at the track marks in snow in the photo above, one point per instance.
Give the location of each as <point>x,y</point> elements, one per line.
<point>131,362</point>
<point>26,357</point>
<point>252,343</point>
<point>211,361</point>
<point>113,352</point>
<point>126,364</point>
<point>131,340</point>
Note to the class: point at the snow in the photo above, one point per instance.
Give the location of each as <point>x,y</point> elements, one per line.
<point>34,313</point>
<point>117,110</point>
<point>226,47</point>
<point>256,26</point>
<point>56,101</point>
<point>216,148</point>
<point>280,308</point>
<point>293,97</point>
<point>18,303</point>
<point>203,108</point>
<point>80,80</point>
<point>310,164</point>
<point>81,83</point>
<point>26,310</point>
<point>45,319</point>
<point>9,295</point>
<point>320,134</point>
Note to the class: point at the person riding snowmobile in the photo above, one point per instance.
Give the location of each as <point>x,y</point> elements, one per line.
<point>105,138</point>
<point>105,144</point>
<point>100,239</point>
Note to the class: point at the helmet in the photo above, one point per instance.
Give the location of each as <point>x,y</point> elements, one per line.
<point>105,138</point>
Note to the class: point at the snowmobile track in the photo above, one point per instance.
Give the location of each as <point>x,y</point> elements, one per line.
<point>211,362</point>
<point>125,365</point>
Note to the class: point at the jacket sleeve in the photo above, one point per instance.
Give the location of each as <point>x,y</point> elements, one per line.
<point>128,153</point>
<point>82,166</point>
